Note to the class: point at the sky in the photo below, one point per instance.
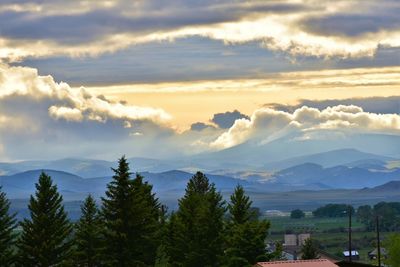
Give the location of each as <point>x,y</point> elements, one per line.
<point>170,78</point>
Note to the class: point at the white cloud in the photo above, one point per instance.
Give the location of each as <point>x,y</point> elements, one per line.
<point>69,114</point>
<point>267,124</point>
<point>72,104</point>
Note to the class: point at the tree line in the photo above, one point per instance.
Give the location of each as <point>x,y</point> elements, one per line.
<point>131,227</point>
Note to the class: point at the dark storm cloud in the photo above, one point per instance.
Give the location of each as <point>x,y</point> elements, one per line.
<point>200,126</point>
<point>227,119</point>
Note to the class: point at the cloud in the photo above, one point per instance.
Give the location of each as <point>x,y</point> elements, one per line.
<point>40,118</point>
<point>267,124</point>
<point>227,119</point>
<point>69,114</point>
<point>74,104</point>
<point>200,126</point>
<point>383,105</point>
<point>300,28</point>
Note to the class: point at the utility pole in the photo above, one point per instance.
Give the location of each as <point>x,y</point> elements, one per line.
<point>378,240</point>
<point>350,250</point>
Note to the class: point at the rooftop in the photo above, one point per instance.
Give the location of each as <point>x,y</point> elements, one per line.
<point>298,263</point>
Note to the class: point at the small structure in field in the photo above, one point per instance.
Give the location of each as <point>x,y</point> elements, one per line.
<point>373,255</point>
<point>354,255</point>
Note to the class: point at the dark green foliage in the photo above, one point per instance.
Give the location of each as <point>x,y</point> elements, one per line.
<point>240,207</point>
<point>365,215</point>
<point>7,234</point>
<point>195,231</point>
<point>245,236</point>
<point>278,253</point>
<point>388,212</point>
<point>88,237</point>
<point>297,214</point>
<point>333,210</point>
<point>131,217</point>
<point>309,250</point>
<point>43,240</point>
<point>392,244</point>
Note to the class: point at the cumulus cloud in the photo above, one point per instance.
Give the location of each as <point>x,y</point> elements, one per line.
<point>40,118</point>
<point>312,28</point>
<point>69,114</point>
<point>73,104</point>
<point>268,124</point>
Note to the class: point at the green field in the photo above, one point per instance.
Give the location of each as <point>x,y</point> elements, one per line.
<point>330,233</point>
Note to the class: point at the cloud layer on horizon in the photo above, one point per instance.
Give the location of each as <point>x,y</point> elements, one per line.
<point>300,28</point>
<point>40,118</point>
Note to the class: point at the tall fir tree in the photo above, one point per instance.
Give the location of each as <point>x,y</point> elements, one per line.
<point>196,229</point>
<point>309,250</point>
<point>245,234</point>
<point>7,232</point>
<point>88,236</point>
<point>44,239</point>
<point>131,216</point>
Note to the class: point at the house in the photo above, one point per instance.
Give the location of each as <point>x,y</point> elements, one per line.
<point>354,255</point>
<point>301,238</point>
<point>290,240</point>
<point>295,240</point>
<point>299,263</point>
<point>373,255</point>
<point>292,245</point>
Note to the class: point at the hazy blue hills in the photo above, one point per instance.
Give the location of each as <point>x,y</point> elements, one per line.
<point>303,186</point>
<point>231,162</point>
<point>349,157</point>
<point>336,177</point>
<point>293,150</point>
<point>74,187</point>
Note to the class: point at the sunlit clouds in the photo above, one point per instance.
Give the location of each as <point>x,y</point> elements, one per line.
<point>268,124</point>
<point>299,28</point>
<point>71,104</point>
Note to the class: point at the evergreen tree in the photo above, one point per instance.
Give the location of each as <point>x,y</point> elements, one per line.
<point>44,237</point>
<point>240,207</point>
<point>196,230</point>
<point>7,234</point>
<point>277,255</point>
<point>309,250</point>
<point>131,216</point>
<point>88,238</point>
<point>245,237</point>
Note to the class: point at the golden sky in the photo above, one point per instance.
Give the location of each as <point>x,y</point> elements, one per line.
<point>194,101</point>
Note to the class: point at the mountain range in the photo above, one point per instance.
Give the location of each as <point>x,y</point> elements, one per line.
<point>322,174</point>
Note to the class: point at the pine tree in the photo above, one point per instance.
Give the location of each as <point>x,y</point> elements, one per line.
<point>245,237</point>
<point>44,237</point>
<point>88,238</point>
<point>7,234</point>
<point>131,216</point>
<point>196,230</point>
<point>277,255</point>
<point>309,250</point>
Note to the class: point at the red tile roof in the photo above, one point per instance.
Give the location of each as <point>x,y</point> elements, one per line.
<point>298,263</point>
